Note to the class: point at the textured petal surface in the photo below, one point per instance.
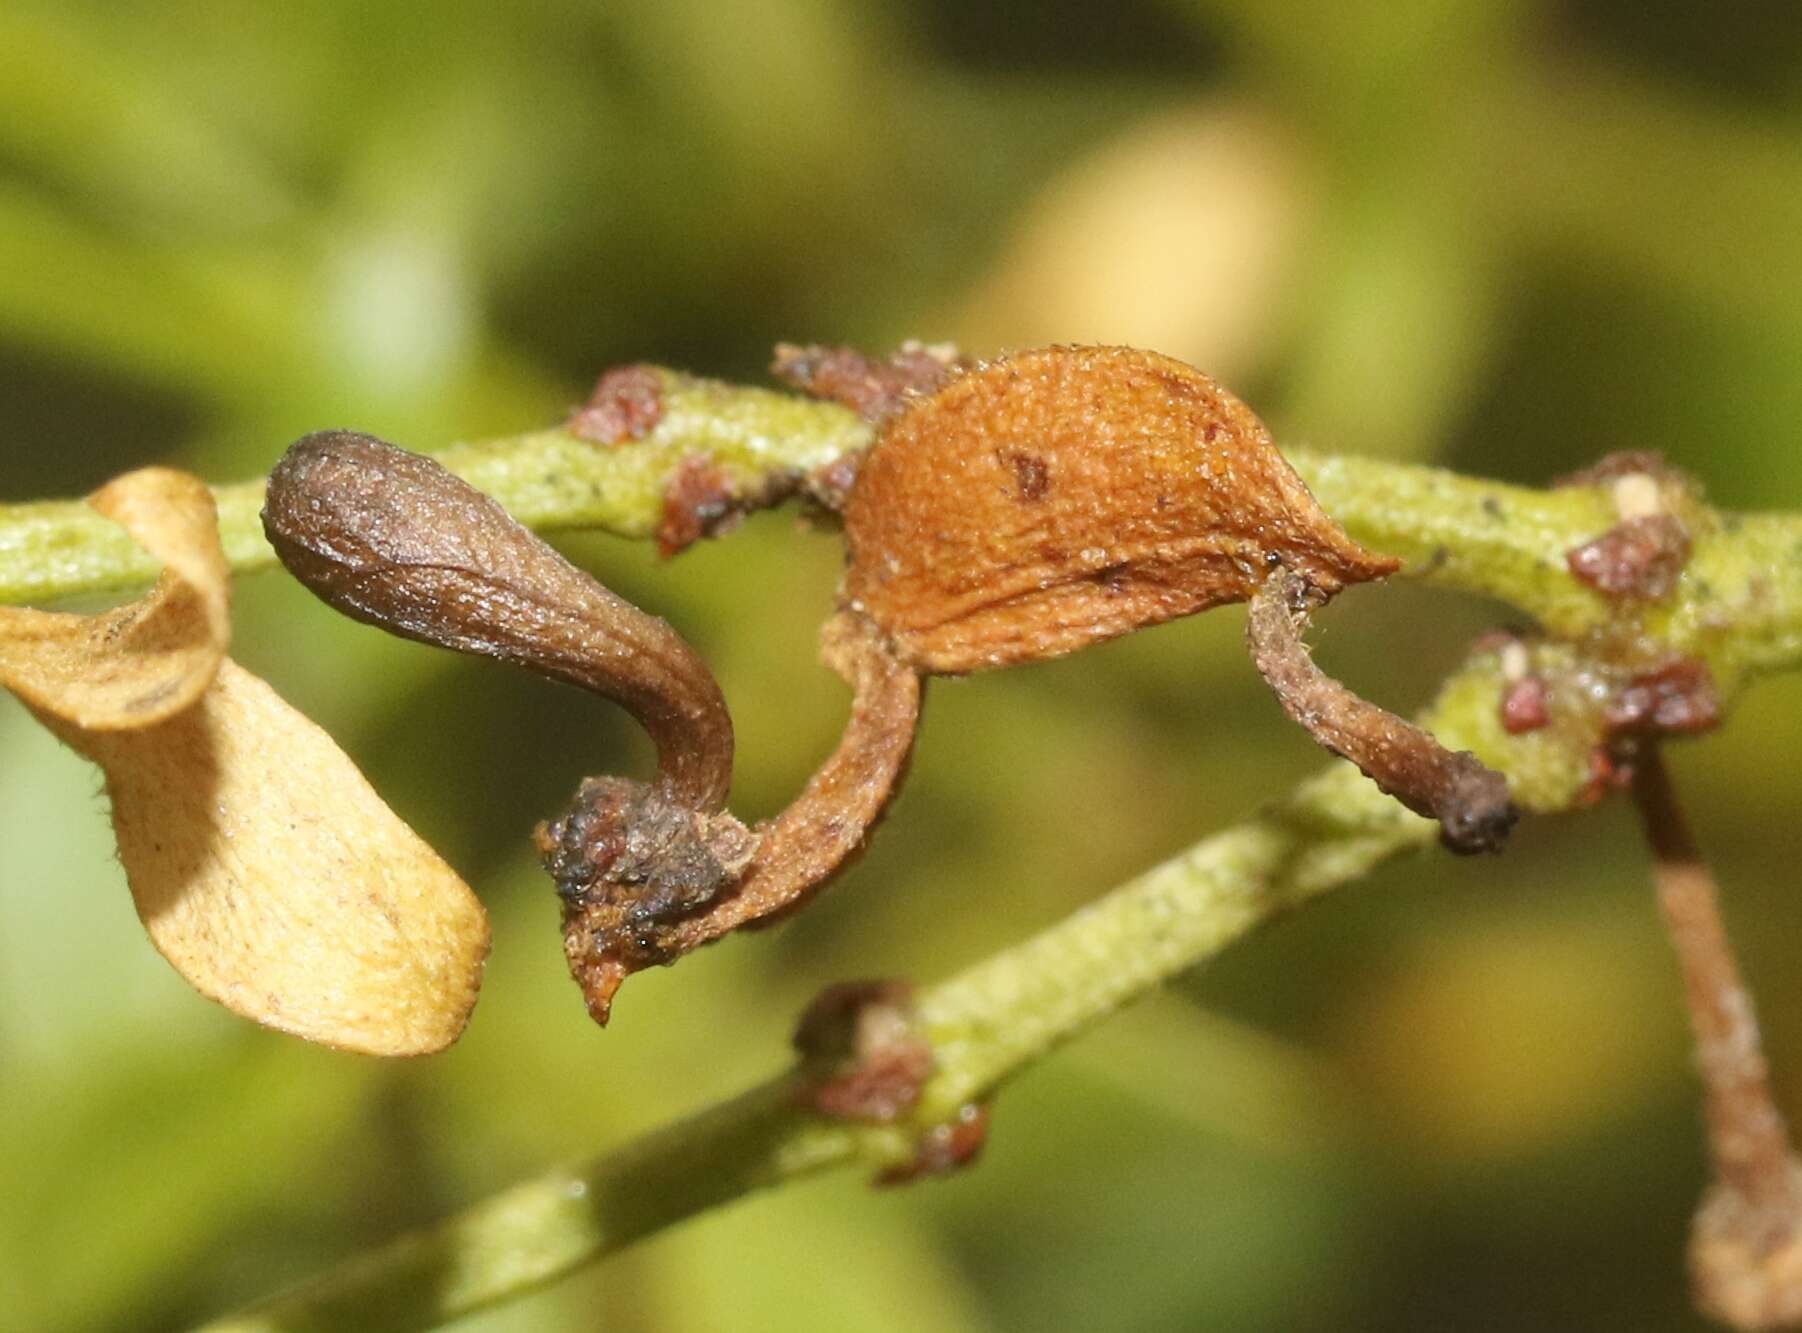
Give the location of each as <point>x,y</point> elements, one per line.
<point>1063,496</point>
<point>264,866</point>
<point>271,875</point>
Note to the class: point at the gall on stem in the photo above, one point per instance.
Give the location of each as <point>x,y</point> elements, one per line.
<point>1746,1245</point>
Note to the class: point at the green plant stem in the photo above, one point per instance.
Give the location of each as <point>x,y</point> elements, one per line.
<point>984,1026</point>
<point>539,1230</point>
<point>1740,607</point>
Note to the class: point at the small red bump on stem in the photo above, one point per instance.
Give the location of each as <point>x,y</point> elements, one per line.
<point>1526,706</point>
<point>698,502</point>
<point>860,1049</point>
<point>1639,559</point>
<point>627,404</point>
<point>944,1148</point>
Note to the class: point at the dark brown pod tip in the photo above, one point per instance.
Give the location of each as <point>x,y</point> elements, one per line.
<point>629,863</point>
<point>1470,801</point>
<point>396,540</point>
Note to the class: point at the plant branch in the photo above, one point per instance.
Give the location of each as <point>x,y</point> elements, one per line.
<point>983,1026</point>
<point>1740,607</point>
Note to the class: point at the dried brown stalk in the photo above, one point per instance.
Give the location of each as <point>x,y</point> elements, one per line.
<point>1746,1248</point>
<point>1469,800</point>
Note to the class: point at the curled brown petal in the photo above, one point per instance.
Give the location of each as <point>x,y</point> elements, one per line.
<point>1469,800</point>
<point>145,661</point>
<point>607,936</point>
<point>394,539</point>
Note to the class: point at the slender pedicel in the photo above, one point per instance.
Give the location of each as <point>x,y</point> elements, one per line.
<point>1469,800</point>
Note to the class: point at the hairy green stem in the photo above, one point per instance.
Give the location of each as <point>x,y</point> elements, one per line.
<point>984,1025</point>
<point>542,1229</point>
<point>1740,607</point>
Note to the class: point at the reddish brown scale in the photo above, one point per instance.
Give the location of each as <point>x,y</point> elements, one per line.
<point>866,1060</point>
<point>627,404</point>
<point>945,1148</point>
<point>873,387</point>
<point>1639,559</point>
<point>1526,706</point>
<point>1606,774</point>
<point>830,484</point>
<point>1677,699</point>
<point>697,503</point>
<point>1065,496</point>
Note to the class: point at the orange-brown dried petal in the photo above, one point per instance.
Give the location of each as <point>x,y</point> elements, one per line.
<point>274,879</point>
<point>1064,496</point>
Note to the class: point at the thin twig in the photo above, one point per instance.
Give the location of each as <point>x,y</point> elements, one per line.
<point>1505,542</point>
<point>1746,1254</point>
<point>984,1026</point>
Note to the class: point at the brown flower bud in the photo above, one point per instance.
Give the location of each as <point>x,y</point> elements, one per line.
<point>394,539</point>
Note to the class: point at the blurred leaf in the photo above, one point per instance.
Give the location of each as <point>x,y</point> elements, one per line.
<point>1179,234</point>
<point>78,110</point>
<point>144,1160</point>
<point>833,1255</point>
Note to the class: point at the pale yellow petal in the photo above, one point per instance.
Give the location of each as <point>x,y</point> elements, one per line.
<point>271,875</point>
<point>137,664</point>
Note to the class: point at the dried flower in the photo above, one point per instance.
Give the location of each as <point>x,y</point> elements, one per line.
<point>263,866</point>
<point>1007,512</point>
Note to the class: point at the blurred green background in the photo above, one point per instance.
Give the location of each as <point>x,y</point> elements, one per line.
<point>1507,237</point>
